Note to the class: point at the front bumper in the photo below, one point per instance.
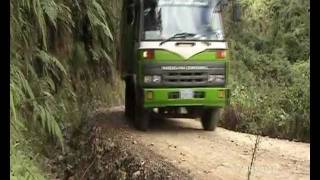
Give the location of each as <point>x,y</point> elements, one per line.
<point>161,97</point>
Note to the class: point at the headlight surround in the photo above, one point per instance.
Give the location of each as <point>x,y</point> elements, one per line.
<point>216,78</point>
<point>147,79</point>
<point>152,79</point>
<point>156,79</point>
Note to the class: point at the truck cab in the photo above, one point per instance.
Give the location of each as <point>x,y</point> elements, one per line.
<point>174,60</point>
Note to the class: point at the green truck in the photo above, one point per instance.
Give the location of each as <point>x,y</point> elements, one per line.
<point>174,59</point>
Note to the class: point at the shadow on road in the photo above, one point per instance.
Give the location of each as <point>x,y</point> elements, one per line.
<point>115,118</point>
<point>158,124</point>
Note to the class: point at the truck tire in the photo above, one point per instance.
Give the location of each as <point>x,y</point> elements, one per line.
<point>141,115</point>
<point>129,100</point>
<point>210,118</point>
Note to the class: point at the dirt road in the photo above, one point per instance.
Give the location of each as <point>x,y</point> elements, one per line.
<point>221,154</point>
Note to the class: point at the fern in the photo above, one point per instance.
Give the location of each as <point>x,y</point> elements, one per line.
<point>99,54</point>
<point>15,121</point>
<point>18,82</point>
<point>20,89</point>
<point>51,63</point>
<point>26,4</point>
<point>45,114</point>
<point>41,88</point>
<point>51,10</point>
<point>42,25</point>
<point>97,17</point>
<point>64,14</point>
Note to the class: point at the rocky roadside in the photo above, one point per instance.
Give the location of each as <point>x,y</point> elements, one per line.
<point>113,154</point>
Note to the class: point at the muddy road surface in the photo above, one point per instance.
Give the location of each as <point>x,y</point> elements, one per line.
<point>221,154</point>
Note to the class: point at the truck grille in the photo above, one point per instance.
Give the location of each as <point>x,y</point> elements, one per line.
<point>185,77</point>
<point>184,74</point>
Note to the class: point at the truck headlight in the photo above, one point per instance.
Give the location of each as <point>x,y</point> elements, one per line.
<point>152,79</point>
<point>216,78</point>
<point>156,79</point>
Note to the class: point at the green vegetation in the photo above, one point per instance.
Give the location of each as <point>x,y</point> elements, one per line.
<point>62,66</point>
<point>270,69</point>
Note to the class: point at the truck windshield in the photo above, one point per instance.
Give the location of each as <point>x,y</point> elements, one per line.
<point>165,18</point>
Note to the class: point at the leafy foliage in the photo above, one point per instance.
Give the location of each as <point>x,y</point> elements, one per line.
<point>23,163</point>
<point>97,17</point>
<point>270,69</point>
<point>48,94</point>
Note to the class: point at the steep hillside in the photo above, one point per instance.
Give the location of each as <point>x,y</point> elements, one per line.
<point>62,59</point>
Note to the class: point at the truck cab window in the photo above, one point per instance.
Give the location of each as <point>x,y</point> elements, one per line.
<point>151,16</point>
<point>165,18</point>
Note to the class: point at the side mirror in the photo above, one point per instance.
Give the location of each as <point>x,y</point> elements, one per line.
<point>236,11</point>
<point>130,14</point>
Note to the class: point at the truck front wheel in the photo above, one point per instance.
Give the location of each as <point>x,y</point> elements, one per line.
<point>142,115</point>
<point>210,118</point>
<point>129,100</point>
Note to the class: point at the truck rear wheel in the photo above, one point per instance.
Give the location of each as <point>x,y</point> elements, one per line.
<point>129,100</point>
<point>210,118</point>
<point>141,115</point>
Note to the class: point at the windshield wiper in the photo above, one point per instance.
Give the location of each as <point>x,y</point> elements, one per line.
<point>178,35</point>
